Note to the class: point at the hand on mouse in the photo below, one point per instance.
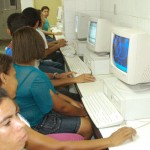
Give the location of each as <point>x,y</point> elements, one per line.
<point>121,135</point>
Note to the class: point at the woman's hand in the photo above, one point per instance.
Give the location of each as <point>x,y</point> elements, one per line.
<point>77,104</point>
<point>61,43</point>
<point>121,135</point>
<point>84,78</point>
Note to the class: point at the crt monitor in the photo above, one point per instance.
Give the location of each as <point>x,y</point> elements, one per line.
<point>99,35</point>
<point>130,55</point>
<point>81,25</point>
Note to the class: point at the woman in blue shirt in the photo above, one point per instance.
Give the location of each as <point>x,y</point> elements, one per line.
<point>46,25</point>
<point>46,110</point>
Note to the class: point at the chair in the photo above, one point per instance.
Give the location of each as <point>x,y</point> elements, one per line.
<point>66,136</point>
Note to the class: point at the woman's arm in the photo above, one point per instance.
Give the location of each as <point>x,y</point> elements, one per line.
<point>54,47</point>
<point>71,101</point>
<point>63,107</point>
<point>71,80</point>
<point>41,142</point>
<point>51,33</point>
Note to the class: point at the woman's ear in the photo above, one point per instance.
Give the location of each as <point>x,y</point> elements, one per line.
<point>3,78</point>
<point>8,31</point>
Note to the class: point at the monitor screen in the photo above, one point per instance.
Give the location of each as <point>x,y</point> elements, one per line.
<point>120,52</point>
<point>92,32</point>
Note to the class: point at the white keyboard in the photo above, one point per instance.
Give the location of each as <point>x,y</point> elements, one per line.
<point>77,65</point>
<point>68,50</point>
<point>101,110</point>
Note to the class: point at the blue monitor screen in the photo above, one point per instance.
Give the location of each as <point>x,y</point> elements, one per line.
<point>120,52</point>
<point>92,32</point>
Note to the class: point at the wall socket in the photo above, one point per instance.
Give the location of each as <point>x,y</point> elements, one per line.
<point>115,9</point>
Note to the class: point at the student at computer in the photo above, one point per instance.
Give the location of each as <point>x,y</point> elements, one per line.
<point>46,32</point>
<point>17,20</point>
<point>46,110</point>
<point>52,48</point>
<point>46,25</point>
<point>9,134</point>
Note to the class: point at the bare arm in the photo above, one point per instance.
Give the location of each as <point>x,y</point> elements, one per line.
<point>42,142</point>
<point>51,33</point>
<point>71,101</point>
<point>56,42</point>
<point>66,108</point>
<point>71,80</point>
<point>63,82</point>
<point>54,47</point>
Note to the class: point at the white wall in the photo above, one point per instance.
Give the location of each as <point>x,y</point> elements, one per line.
<point>91,7</point>
<point>131,13</point>
<point>26,3</point>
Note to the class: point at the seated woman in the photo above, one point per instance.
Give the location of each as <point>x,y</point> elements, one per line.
<point>46,110</point>
<point>45,23</point>
<point>18,20</point>
<point>36,140</point>
<point>42,26</point>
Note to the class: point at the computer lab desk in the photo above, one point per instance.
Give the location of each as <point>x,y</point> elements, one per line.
<point>140,141</point>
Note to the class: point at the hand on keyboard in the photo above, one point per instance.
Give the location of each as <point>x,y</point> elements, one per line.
<point>62,43</point>
<point>81,78</point>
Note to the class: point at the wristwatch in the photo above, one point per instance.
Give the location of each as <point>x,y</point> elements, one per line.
<point>55,75</point>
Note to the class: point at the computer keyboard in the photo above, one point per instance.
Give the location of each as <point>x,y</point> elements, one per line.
<point>101,110</point>
<point>77,65</point>
<point>68,49</point>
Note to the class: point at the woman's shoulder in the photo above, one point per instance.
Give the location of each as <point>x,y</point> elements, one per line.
<point>26,71</point>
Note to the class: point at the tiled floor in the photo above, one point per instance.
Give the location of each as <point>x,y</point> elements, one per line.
<point>3,44</point>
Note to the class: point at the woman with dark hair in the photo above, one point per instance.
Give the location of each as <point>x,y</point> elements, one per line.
<point>46,110</point>
<point>12,130</point>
